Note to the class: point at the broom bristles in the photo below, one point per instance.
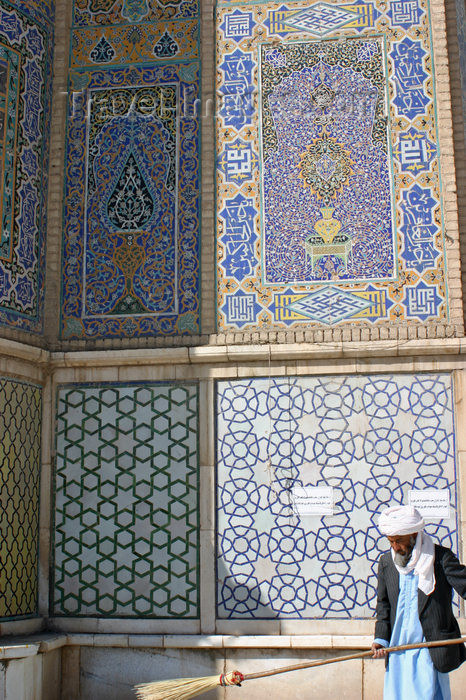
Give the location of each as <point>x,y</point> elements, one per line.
<point>179,689</point>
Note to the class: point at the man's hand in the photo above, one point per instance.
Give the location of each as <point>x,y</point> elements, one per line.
<point>378,651</point>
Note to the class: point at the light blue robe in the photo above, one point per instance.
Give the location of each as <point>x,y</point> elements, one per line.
<point>411,674</point>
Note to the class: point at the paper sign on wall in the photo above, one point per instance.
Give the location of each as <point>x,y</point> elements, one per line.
<point>431,503</point>
<point>312,500</point>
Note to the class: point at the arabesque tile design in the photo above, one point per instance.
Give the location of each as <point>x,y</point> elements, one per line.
<point>131,217</point>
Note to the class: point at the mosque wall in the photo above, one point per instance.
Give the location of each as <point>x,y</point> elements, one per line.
<point>26,53</point>
<point>212,453</point>
<point>177,428</point>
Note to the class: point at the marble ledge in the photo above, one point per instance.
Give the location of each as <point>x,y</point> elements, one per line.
<point>228,355</point>
<point>22,351</point>
<point>23,647</point>
<point>192,641</point>
<point>18,651</point>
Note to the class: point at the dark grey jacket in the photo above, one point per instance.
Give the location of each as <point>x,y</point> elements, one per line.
<point>435,612</point>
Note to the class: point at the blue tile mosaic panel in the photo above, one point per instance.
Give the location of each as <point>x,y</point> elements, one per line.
<point>106,12</point>
<point>328,178</point>
<point>20,429</point>
<point>371,438</point>
<point>36,9</point>
<point>126,526</point>
<point>26,45</point>
<point>131,224</point>
<point>338,219</point>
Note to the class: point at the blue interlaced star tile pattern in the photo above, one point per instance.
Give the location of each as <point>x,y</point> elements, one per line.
<point>371,438</point>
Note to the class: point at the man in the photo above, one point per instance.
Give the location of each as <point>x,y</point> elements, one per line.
<point>414,593</point>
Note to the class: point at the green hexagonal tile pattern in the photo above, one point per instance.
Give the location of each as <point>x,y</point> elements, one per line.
<point>126,533</point>
<point>20,416</point>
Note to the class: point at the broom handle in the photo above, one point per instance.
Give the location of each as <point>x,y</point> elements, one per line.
<point>359,655</point>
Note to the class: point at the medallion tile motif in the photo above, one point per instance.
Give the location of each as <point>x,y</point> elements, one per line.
<point>332,141</point>
<point>126,538</point>
<point>148,42</point>
<point>370,438</point>
<point>26,44</point>
<point>131,231</point>
<point>20,421</point>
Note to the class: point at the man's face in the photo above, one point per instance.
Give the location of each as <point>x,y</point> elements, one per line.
<point>402,545</point>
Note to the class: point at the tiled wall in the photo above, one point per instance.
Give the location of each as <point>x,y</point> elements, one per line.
<point>126,501</point>
<point>20,424</point>
<point>328,179</point>
<point>131,217</point>
<point>371,438</point>
<point>26,46</point>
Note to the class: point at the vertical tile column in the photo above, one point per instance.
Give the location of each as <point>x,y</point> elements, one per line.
<point>26,50</point>
<point>126,528</point>
<point>20,418</point>
<point>132,172</point>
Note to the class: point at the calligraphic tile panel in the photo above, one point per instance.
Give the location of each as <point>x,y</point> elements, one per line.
<point>371,439</point>
<point>126,528</point>
<point>26,45</point>
<point>20,423</point>
<point>328,175</point>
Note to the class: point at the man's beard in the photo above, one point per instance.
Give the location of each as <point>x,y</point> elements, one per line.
<point>403,559</point>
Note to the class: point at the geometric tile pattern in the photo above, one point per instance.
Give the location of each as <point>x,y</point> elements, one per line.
<point>131,217</point>
<point>26,46</point>
<point>20,423</point>
<point>126,531</point>
<point>329,305</point>
<point>371,438</point>
<point>337,203</point>
<point>321,19</point>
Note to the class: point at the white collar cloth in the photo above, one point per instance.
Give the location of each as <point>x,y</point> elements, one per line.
<point>421,562</point>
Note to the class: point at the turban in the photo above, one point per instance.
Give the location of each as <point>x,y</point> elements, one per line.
<point>400,520</point>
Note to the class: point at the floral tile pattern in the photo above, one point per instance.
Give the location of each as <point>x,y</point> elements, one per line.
<point>131,231</point>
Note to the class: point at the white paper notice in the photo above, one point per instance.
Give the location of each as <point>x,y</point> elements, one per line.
<point>312,500</point>
<point>431,503</point>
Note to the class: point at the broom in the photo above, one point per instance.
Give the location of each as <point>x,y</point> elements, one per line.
<point>185,688</point>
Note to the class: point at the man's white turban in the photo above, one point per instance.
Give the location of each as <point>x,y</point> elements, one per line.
<point>400,520</point>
